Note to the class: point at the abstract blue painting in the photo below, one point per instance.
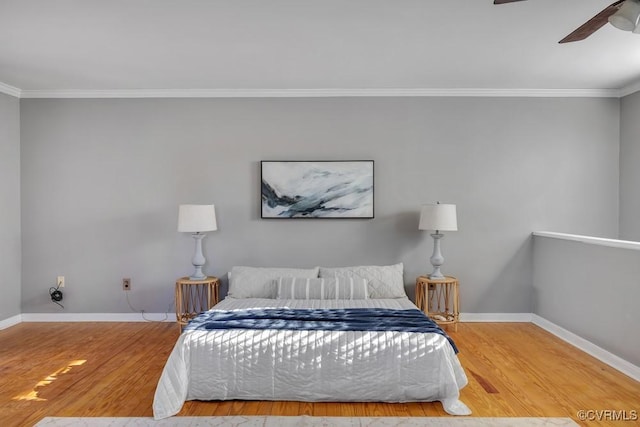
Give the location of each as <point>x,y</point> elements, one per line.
<point>317,189</point>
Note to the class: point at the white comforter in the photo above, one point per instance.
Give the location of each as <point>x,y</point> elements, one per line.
<point>312,366</point>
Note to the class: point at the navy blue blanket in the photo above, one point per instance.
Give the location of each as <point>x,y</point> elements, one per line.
<point>347,319</point>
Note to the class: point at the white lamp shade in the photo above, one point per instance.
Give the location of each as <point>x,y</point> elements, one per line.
<point>438,217</point>
<point>626,18</point>
<point>197,218</point>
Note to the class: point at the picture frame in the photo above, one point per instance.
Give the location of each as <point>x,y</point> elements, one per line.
<point>330,189</point>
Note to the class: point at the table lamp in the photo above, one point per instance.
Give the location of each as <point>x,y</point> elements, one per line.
<point>438,217</point>
<point>197,220</point>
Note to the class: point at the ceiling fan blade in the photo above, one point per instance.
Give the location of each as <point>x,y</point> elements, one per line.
<point>593,24</point>
<point>505,1</point>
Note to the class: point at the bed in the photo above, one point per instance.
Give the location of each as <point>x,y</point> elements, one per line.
<point>316,364</point>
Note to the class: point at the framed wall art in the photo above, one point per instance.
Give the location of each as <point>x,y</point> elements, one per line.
<point>317,189</point>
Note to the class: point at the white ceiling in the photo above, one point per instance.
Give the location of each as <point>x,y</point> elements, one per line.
<point>85,45</point>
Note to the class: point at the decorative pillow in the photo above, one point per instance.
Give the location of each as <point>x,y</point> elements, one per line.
<point>257,282</point>
<point>344,288</point>
<point>384,281</point>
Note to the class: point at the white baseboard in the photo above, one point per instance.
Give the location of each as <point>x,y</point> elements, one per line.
<point>171,317</point>
<point>98,317</point>
<point>588,347</point>
<point>495,317</point>
<point>14,320</point>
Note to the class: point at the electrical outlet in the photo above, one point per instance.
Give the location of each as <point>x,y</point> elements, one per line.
<point>60,282</point>
<point>126,284</point>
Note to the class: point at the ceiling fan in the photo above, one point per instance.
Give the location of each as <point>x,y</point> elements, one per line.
<point>622,14</point>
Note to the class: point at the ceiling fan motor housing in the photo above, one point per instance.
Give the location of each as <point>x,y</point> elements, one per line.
<point>626,18</point>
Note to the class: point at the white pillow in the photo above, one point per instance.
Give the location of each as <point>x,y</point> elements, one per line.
<point>297,288</point>
<point>257,282</point>
<point>384,281</point>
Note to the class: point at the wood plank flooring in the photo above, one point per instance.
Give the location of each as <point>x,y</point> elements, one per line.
<point>111,369</point>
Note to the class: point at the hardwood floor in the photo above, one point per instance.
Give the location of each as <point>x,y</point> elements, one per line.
<point>111,369</point>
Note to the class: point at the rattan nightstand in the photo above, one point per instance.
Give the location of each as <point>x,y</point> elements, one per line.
<point>439,299</point>
<point>195,296</point>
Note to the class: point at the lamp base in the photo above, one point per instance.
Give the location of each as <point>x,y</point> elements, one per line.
<point>198,260</point>
<point>436,259</point>
<point>436,275</point>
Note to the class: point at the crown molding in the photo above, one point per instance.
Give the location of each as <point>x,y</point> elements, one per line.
<point>10,90</point>
<point>630,89</point>
<point>322,93</point>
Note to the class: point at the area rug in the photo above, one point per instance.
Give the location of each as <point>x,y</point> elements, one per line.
<point>306,421</point>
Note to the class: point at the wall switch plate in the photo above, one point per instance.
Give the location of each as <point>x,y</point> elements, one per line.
<point>60,282</point>
<point>126,284</point>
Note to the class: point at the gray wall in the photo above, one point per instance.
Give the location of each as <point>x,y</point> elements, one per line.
<point>590,290</point>
<point>102,180</point>
<point>10,206</point>
<point>629,170</point>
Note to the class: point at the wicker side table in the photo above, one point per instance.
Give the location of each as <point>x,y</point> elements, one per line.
<point>195,296</point>
<point>439,299</point>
